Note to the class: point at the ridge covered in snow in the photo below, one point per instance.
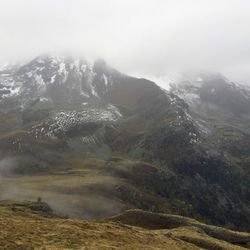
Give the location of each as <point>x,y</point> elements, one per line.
<point>213,89</point>
<point>74,77</point>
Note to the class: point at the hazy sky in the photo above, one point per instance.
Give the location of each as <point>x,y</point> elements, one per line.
<point>140,37</point>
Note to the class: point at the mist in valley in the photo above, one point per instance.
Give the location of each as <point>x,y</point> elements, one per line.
<point>78,202</point>
<point>111,105</point>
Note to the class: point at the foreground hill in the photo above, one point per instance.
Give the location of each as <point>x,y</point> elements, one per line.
<point>72,130</point>
<point>33,225</point>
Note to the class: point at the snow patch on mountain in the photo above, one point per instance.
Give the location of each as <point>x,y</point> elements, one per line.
<point>52,79</point>
<point>43,76</point>
<point>63,121</point>
<point>105,80</point>
<point>39,82</point>
<point>89,139</point>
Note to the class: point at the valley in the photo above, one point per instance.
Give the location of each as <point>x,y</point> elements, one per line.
<point>93,142</point>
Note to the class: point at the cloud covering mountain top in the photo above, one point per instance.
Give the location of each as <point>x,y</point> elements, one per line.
<point>138,37</point>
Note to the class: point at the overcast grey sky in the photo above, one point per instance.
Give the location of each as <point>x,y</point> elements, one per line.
<point>139,37</point>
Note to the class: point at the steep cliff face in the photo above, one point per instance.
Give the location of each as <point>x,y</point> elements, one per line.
<point>186,150</point>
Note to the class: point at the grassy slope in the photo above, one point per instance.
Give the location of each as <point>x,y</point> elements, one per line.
<point>95,188</point>
<point>27,225</point>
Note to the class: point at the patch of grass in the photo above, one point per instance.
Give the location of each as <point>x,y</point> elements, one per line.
<point>22,227</point>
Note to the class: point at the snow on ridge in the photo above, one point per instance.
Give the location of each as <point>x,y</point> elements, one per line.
<point>7,66</point>
<point>105,80</point>
<point>192,99</point>
<point>84,94</point>
<point>83,68</point>
<point>51,66</point>
<point>199,79</point>
<point>63,121</point>
<point>62,71</point>
<point>44,99</point>
<point>89,139</point>
<point>93,91</point>
<point>12,92</point>
<point>164,82</point>
<point>89,77</point>
<point>115,111</point>
<point>9,87</point>
<point>40,82</point>
<point>52,79</point>
<point>4,66</point>
<point>53,69</point>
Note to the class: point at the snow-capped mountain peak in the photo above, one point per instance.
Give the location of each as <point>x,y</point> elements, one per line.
<point>58,78</point>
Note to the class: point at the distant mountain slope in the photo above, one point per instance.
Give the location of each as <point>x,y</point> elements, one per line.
<point>214,90</point>
<point>184,150</point>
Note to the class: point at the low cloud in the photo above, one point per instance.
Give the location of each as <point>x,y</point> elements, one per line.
<point>6,166</point>
<point>154,37</point>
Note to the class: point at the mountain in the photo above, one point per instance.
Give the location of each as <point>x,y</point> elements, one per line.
<point>30,225</point>
<point>93,141</point>
<point>213,89</point>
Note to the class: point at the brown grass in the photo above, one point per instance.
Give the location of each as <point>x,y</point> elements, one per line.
<point>21,228</point>
<point>190,230</point>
